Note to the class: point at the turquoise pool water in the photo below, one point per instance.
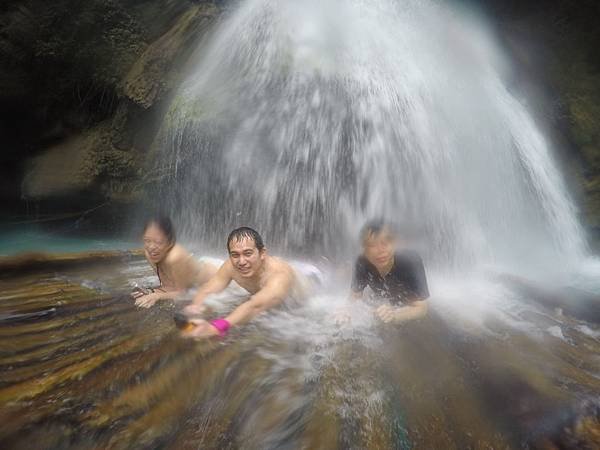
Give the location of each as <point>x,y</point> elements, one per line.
<point>22,239</point>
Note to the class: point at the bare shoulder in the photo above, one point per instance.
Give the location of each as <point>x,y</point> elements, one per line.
<point>177,255</point>
<point>226,268</point>
<point>281,269</point>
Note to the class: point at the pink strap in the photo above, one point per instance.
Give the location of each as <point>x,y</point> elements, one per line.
<point>222,325</point>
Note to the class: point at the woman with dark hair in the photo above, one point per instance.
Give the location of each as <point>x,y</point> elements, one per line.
<point>176,268</point>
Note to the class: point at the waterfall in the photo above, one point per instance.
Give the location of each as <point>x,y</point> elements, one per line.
<point>304,119</point>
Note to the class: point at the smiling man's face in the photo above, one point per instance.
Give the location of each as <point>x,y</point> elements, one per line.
<point>245,257</point>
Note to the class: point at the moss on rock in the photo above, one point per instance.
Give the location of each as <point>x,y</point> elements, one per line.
<point>155,72</point>
<point>81,85</point>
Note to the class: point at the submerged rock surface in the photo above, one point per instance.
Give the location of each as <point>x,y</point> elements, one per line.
<point>81,367</point>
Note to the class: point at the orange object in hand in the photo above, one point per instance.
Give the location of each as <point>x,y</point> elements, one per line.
<point>187,327</point>
<point>183,322</point>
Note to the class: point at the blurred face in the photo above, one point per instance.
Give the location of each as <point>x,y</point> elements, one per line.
<point>379,248</point>
<point>245,257</point>
<point>156,244</point>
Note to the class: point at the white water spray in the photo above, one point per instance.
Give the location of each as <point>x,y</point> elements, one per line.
<point>306,118</point>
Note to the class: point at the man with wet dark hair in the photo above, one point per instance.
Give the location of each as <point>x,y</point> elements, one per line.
<point>245,233</point>
<point>268,279</point>
<point>377,226</point>
<point>395,276</point>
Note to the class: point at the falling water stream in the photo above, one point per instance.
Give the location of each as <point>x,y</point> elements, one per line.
<point>306,118</point>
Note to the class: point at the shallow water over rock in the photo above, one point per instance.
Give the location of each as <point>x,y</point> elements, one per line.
<point>81,367</point>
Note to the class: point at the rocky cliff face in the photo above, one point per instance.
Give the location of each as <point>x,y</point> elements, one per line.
<point>82,87</point>
<point>556,44</point>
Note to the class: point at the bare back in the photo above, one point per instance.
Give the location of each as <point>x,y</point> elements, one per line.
<point>180,270</point>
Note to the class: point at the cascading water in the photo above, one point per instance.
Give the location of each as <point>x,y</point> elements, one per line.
<point>306,118</point>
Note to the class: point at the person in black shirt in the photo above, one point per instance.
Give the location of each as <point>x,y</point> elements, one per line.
<point>394,276</point>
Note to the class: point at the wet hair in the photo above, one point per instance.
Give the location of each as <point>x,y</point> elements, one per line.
<point>376,227</point>
<point>164,224</point>
<point>245,233</point>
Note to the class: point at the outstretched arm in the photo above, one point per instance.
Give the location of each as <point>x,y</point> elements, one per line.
<point>412,311</point>
<point>271,295</point>
<point>342,315</point>
<point>218,282</point>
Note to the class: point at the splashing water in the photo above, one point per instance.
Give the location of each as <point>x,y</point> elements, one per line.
<point>306,118</point>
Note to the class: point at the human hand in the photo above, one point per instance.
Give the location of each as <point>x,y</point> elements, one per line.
<point>386,313</point>
<point>341,316</point>
<point>146,301</point>
<point>194,309</point>
<point>202,330</point>
<point>138,292</point>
